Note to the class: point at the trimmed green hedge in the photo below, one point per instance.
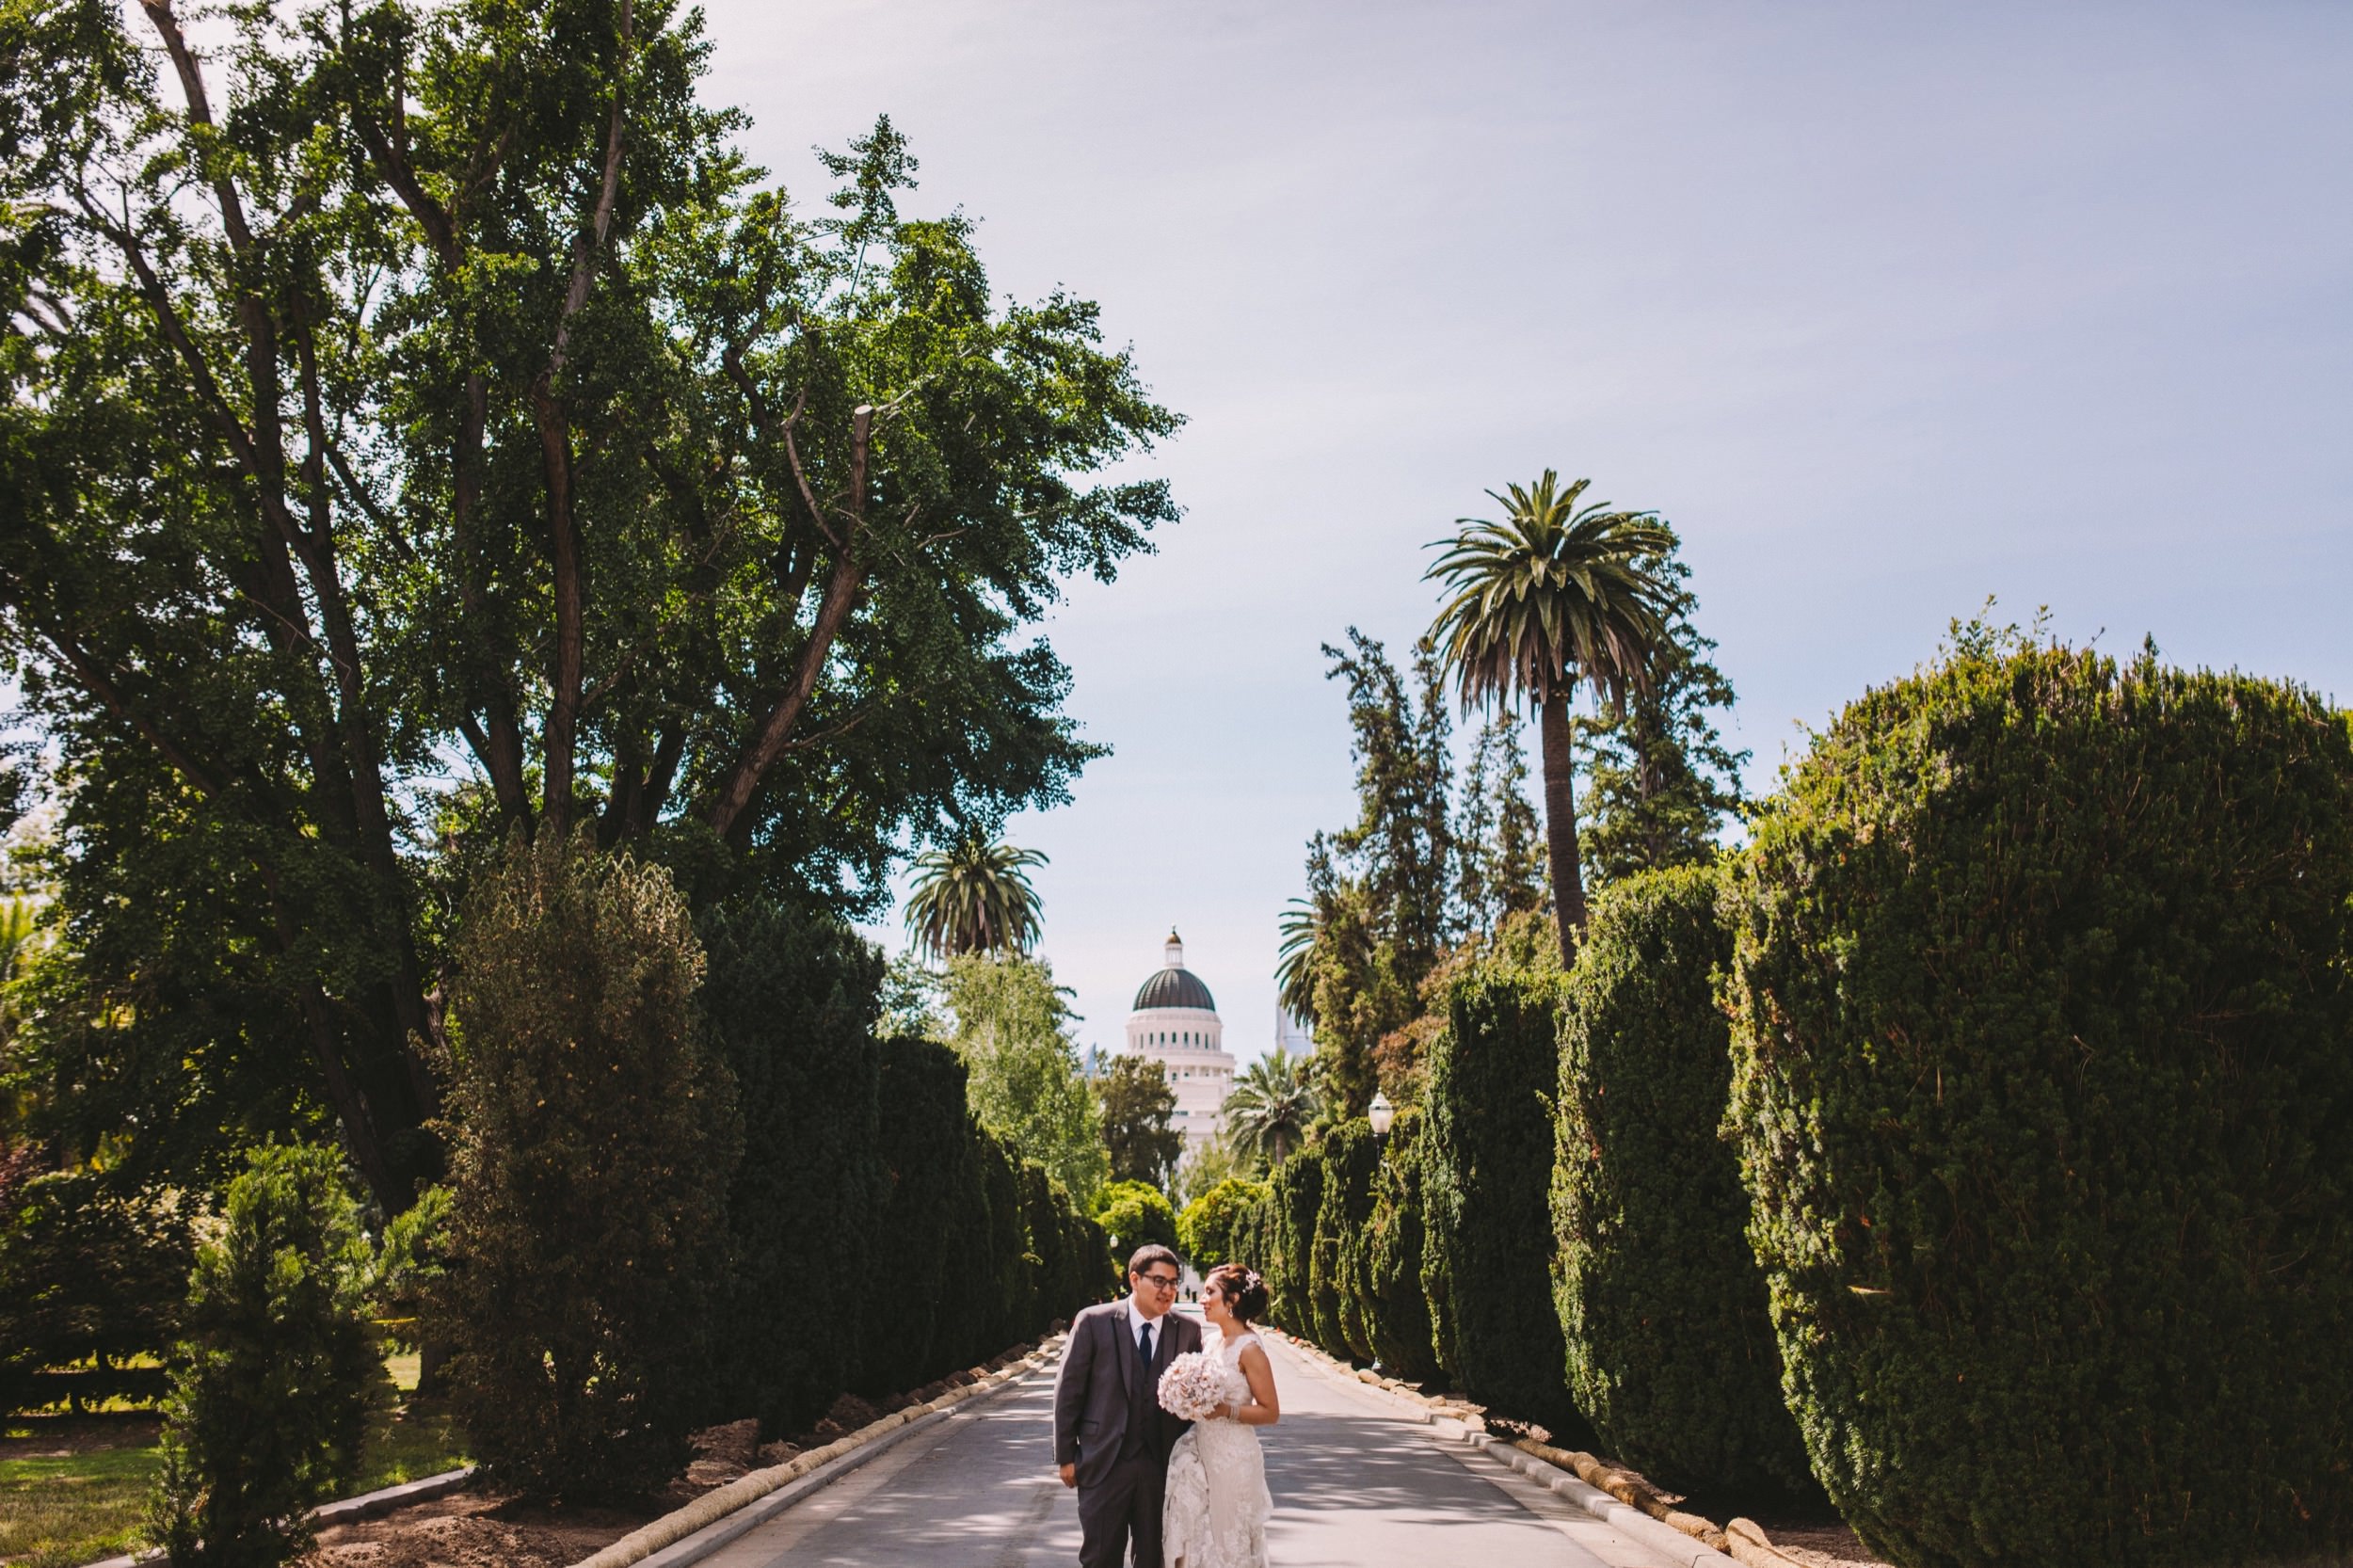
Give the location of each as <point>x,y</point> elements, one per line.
<point>1670,1351</point>
<point>1286,1240</point>
<point>1349,1154</point>
<point>1486,1196</point>
<point>89,1272</point>
<point>790,1005</point>
<point>2043,1074</point>
<point>1387,1265</point>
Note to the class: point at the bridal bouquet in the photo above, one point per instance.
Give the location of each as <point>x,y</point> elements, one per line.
<point>1192,1386</point>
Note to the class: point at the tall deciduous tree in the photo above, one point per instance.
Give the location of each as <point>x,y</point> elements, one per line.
<point>1554,594</point>
<point>1137,1107</point>
<point>396,387</point>
<point>1009,1021</point>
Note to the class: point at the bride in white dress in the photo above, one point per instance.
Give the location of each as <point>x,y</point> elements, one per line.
<point>1215,1515</point>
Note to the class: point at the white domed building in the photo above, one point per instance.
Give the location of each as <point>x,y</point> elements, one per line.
<point>1175,1024</point>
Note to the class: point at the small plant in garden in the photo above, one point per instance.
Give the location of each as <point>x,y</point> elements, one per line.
<point>272,1388</point>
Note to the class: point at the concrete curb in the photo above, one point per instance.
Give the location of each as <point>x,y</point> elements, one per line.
<point>711,1521</point>
<point>366,1506</point>
<point>1461,1423</point>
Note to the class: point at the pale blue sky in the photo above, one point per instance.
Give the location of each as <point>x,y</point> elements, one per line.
<point>1887,307</point>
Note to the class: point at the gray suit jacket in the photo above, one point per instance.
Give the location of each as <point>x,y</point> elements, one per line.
<point>1091,1391</point>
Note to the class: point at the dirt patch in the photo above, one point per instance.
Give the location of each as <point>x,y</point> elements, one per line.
<point>471,1531</point>
<point>1818,1543</point>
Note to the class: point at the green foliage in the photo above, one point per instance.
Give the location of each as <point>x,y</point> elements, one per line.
<point>790,1000</point>
<point>1670,1353</point>
<point>1390,1257</point>
<point>89,1272</point>
<point>412,1260</point>
<point>1378,910</point>
<point>974,897</point>
<point>1349,1154</point>
<point>1009,1022</point>
<point>1137,1106</point>
<point>1659,780</point>
<point>1498,840</point>
<point>1208,1232</point>
<point>597,1136</point>
<point>272,1388</point>
<point>1135,1215</point>
<point>1271,1106</point>
<point>1485,1176</point>
<point>922,1260</point>
<point>2042,1067</point>
<point>1067,1256</point>
<point>1286,1238</point>
<point>1555,595</point>
<point>443,381</point>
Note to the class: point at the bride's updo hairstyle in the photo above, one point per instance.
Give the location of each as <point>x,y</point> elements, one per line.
<point>1245,1291</point>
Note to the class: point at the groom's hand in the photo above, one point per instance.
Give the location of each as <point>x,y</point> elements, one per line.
<point>1070,1475</point>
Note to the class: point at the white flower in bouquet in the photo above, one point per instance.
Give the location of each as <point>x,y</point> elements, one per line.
<point>1192,1386</point>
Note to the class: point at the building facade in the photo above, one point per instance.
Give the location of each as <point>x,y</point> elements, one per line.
<point>1176,1023</point>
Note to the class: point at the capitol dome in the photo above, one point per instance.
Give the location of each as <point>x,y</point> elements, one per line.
<point>1175,986</point>
<point>1175,1024</point>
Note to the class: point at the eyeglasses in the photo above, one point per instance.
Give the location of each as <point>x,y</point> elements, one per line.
<point>1160,1282</point>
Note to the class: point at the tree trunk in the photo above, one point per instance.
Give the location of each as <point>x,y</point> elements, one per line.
<point>1568,878</point>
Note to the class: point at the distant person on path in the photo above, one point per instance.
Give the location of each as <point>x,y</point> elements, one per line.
<point>1218,1504</point>
<point>1112,1439</point>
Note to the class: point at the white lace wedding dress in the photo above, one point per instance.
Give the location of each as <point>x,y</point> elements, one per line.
<point>1217,1504</point>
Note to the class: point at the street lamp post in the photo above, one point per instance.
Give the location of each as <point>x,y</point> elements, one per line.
<point>1381,1113</point>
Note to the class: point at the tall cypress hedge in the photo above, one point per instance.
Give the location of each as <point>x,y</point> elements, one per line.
<point>790,1005</point>
<point>1289,1236</point>
<point>1351,1154</point>
<point>922,1256</point>
<point>1387,1271</point>
<point>1487,1194</point>
<point>1670,1351</point>
<point>2043,1074</point>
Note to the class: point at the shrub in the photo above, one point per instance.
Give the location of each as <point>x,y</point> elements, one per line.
<point>1349,1154</point>
<point>1208,1232</point>
<point>596,1137</point>
<point>272,1388</point>
<point>1135,1215</point>
<point>927,1137</point>
<point>1670,1351</point>
<point>1004,1311</point>
<point>1397,1302</point>
<point>1288,1239</point>
<point>89,1272</point>
<point>790,1002</point>
<point>1485,1195</point>
<point>1066,1264</point>
<point>2042,1069</point>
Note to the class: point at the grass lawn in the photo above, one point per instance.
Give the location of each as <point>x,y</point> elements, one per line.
<point>73,1489</point>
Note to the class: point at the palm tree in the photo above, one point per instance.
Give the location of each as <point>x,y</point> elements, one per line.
<point>1553,595</point>
<point>1270,1106</point>
<point>974,896</point>
<point>1295,960</point>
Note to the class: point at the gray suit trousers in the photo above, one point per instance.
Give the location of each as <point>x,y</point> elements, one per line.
<point>1126,1501</point>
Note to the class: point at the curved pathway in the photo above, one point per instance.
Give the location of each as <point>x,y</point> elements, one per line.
<point>1355,1485</point>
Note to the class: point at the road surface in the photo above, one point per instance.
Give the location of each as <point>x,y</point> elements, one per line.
<point>1355,1485</point>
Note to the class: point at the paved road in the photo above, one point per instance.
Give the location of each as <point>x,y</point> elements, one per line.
<point>1354,1485</point>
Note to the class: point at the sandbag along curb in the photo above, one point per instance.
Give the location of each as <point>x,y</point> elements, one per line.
<point>715,1505</point>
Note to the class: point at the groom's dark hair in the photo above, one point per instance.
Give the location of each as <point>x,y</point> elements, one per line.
<point>1143,1257</point>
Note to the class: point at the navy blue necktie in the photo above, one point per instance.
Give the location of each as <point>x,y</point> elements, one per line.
<point>1144,1345</point>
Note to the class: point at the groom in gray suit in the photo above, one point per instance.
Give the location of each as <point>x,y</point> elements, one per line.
<point>1110,1436</point>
